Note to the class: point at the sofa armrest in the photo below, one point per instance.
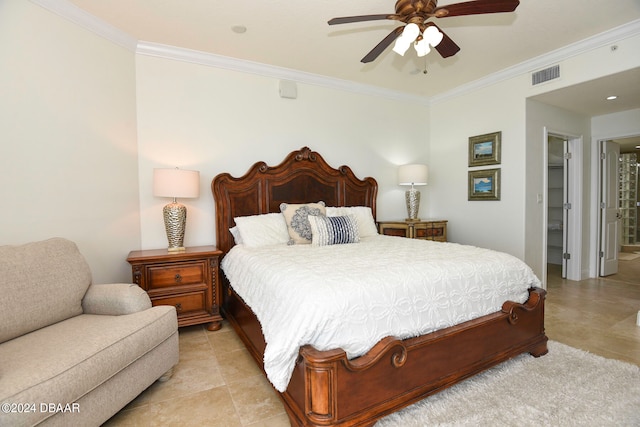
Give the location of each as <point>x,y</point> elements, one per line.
<point>115,299</point>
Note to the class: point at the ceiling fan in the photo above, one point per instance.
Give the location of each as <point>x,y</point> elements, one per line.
<point>415,15</point>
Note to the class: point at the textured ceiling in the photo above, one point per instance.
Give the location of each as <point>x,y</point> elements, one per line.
<point>295,35</point>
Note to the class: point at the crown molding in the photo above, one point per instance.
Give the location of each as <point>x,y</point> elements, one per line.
<point>78,16</point>
<point>550,58</point>
<point>73,13</point>
<point>212,60</point>
<point>84,19</point>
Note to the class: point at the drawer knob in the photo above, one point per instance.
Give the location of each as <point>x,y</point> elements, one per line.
<point>178,307</point>
<point>178,278</point>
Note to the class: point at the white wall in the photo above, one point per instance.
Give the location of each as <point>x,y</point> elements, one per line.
<point>617,125</point>
<point>67,138</point>
<point>494,224</point>
<point>215,120</point>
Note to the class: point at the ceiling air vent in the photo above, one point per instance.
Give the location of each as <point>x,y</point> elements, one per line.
<point>545,75</point>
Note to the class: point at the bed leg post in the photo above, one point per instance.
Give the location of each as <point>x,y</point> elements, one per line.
<point>540,349</point>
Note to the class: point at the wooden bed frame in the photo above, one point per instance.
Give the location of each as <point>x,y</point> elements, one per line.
<point>326,388</point>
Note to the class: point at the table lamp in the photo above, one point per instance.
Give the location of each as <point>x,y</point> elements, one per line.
<point>175,183</point>
<point>412,175</point>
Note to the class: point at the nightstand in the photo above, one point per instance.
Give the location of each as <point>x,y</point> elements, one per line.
<point>188,280</point>
<point>425,230</point>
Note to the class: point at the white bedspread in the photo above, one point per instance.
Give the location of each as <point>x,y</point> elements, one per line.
<point>351,296</point>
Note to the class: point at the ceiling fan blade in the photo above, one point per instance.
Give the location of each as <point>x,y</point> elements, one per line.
<point>349,19</point>
<point>446,47</point>
<point>477,7</point>
<point>376,51</point>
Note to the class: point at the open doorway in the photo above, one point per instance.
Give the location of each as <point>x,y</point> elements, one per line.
<point>563,206</point>
<point>629,199</point>
<point>557,192</point>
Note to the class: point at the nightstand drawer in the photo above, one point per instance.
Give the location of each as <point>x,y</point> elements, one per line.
<point>431,231</point>
<point>398,229</point>
<point>184,303</point>
<point>176,274</point>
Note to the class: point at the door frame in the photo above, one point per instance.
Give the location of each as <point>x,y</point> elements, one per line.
<point>596,214</point>
<point>574,230</point>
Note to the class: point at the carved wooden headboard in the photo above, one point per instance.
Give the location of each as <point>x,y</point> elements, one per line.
<point>302,177</point>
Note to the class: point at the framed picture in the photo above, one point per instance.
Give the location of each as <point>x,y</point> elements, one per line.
<point>484,184</point>
<point>485,149</point>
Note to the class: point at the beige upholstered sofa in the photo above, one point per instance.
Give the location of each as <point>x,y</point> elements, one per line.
<point>73,353</point>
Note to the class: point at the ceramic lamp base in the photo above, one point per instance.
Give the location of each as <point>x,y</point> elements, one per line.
<point>412,198</point>
<point>175,217</point>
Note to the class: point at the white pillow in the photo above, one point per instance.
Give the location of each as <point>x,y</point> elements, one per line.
<point>364,218</point>
<point>235,232</point>
<point>262,230</point>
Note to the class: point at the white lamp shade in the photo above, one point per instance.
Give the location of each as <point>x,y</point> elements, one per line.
<point>433,36</point>
<point>413,174</point>
<point>422,47</point>
<point>411,32</point>
<point>176,183</point>
<point>401,46</point>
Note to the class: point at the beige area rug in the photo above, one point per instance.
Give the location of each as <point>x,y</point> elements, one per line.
<point>566,387</point>
<point>627,256</point>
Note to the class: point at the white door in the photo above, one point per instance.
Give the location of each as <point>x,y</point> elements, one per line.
<point>609,200</point>
<point>566,205</point>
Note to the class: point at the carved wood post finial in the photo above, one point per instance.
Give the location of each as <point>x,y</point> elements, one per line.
<point>305,153</point>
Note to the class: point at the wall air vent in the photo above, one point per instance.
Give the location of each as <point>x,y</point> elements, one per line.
<point>545,75</point>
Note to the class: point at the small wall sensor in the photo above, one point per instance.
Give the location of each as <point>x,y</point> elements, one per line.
<point>288,89</point>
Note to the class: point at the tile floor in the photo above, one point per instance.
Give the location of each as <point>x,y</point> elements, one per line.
<point>597,315</point>
<point>216,383</point>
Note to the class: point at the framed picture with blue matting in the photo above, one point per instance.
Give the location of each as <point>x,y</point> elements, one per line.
<point>485,149</point>
<point>484,184</point>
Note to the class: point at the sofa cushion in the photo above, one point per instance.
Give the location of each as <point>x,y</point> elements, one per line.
<point>63,362</point>
<point>42,283</point>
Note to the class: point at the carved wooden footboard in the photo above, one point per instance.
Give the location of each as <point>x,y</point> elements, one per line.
<point>396,373</point>
<point>326,388</point>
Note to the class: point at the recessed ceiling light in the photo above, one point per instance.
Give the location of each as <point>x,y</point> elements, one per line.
<point>612,97</point>
<point>239,29</point>
<point>637,147</point>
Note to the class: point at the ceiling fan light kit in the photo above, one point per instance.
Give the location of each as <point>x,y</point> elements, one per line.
<point>415,14</point>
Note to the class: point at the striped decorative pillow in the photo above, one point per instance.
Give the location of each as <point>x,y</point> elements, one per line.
<point>335,230</point>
